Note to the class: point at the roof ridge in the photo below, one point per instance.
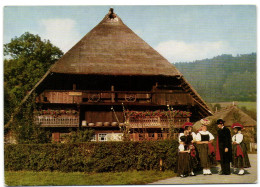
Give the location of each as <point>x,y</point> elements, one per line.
<point>112,48</point>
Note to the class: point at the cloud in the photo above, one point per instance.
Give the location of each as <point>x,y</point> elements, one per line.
<point>61,32</point>
<point>180,51</point>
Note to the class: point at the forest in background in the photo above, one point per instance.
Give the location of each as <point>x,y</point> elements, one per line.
<point>223,78</point>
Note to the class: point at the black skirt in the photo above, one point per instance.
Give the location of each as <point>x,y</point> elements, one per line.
<point>207,159</point>
<point>183,166</point>
<point>240,161</point>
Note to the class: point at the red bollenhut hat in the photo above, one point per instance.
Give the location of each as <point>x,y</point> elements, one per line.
<point>237,125</point>
<point>187,124</point>
<point>204,122</point>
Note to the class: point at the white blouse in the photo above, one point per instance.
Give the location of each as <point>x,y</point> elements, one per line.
<point>198,137</point>
<point>181,147</point>
<point>182,134</point>
<point>238,138</point>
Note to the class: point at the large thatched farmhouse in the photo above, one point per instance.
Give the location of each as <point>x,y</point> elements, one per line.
<point>111,79</point>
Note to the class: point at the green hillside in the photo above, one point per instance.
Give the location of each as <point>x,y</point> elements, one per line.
<point>223,78</point>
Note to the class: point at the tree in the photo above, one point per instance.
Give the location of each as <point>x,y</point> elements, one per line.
<point>27,59</point>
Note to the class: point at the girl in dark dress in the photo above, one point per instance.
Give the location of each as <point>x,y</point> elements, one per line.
<point>240,157</point>
<point>184,162</point>
<point>189,138</point>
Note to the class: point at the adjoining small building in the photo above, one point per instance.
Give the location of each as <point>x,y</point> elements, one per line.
<point>232,114</point>
<point>111,79</point>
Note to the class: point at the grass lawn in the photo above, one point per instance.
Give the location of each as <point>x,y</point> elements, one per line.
<point>29,178</point>
<point>248,105</point>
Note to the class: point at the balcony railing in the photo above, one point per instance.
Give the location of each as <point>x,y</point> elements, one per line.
<point>90,97</point>
<point>50,121</point>
<point>151,136</point>
<point>156,122</point>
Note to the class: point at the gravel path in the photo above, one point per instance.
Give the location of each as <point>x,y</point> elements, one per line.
<point>249,177</point>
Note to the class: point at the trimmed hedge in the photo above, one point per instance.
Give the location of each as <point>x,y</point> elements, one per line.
<point>91,156</point>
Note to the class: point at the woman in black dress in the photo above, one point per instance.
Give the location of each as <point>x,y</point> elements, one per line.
<point>205,148</point>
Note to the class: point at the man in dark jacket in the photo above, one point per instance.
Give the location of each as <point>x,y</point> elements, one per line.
<point>224,149</point>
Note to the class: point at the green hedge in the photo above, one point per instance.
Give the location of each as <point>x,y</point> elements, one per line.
<point>91,156</point>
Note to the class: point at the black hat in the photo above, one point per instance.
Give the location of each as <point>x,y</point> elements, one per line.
<point>220,121</point>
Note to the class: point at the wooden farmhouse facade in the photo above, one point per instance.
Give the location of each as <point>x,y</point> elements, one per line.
<point>113,80</point>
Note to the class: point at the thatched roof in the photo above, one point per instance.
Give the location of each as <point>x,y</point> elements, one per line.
<point>230,115</point>
<point>111,48</point>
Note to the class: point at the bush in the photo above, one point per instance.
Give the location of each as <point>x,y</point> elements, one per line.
<point>24,128</point>
<point>91,156</point>
<point>80,136</point>
<point>216,107</point>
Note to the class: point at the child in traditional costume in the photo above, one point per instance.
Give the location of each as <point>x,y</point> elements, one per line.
<point>205,148</point>
<point>189,138</point>
<point>183,163</point>
<point>240,157</point>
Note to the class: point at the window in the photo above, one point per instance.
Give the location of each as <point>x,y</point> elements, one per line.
<point>102,137</point>
<point>141,136</point>
<point>150,136</point>
<point>160,136</point>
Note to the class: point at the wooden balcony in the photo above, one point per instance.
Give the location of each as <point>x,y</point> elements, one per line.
<point>108,97</point>
<point>157,122</point>
<point>151,136</point>
<point>50,121</point>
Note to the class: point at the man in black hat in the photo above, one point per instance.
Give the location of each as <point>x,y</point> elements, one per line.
<point>224,149</point>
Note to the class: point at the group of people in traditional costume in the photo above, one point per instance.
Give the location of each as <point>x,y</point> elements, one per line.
<point>196,150</point>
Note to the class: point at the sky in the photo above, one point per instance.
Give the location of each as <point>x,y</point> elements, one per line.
<point>179,32</point>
